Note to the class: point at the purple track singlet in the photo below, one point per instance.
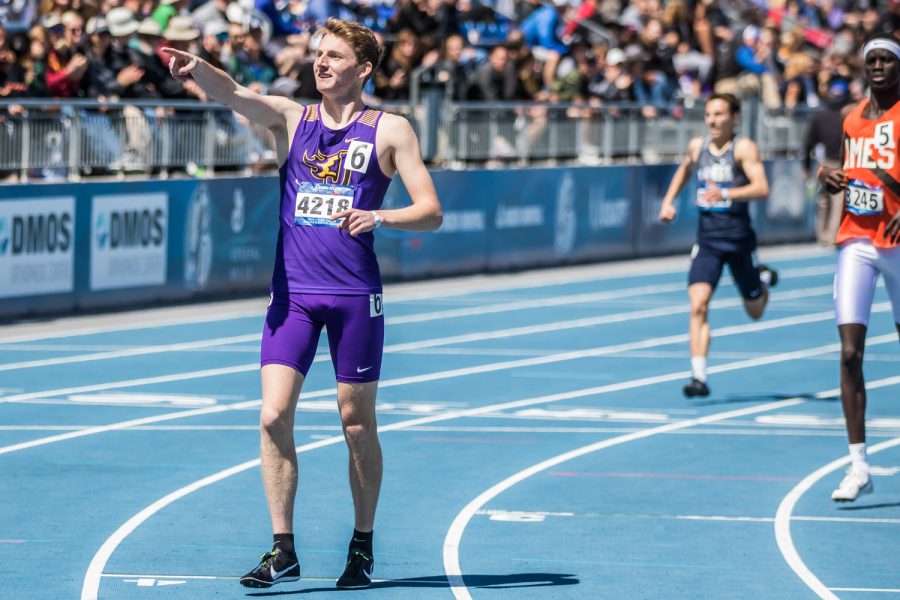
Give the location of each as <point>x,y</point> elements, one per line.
<point>328,171</point>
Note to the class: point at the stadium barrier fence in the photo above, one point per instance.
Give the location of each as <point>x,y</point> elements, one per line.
<point>74,139</point>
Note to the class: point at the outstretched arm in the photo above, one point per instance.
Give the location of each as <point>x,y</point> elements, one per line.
<point>268,111</point>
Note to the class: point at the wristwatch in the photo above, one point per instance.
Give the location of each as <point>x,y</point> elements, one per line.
<point>378,219</point>
<point>724,193</point>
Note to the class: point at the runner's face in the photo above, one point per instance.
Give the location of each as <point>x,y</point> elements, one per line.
<point>336,67</point>
<point>882,70</point>
<point>719,119</point>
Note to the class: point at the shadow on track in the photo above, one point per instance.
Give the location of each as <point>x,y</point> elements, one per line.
<point>516,580</point>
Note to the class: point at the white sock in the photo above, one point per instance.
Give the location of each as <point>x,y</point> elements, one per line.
<point>698,366</point>
<point>858,458</point>
<point>766,277</point>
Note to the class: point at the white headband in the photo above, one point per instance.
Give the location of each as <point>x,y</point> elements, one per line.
<point>882,44</point>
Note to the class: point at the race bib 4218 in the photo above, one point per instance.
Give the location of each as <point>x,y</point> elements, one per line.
<point>316,203</point>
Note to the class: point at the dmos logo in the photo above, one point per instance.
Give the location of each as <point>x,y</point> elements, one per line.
<point>36,246</point>
<point>101,230</point>
<point>4,237</point>
<point>40,234</point>
<point>129,240</point>
<point>127,228</point>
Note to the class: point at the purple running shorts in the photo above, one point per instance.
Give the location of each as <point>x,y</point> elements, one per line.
<point>355,326</point>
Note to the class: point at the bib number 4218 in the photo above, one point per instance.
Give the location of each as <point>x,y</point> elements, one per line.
<point>316,203</point>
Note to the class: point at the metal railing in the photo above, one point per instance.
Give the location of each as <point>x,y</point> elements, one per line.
<point>72,139</point>
<point>525,133</point>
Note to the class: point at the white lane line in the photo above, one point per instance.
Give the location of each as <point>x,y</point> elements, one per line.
<point>418,318</point>
<point>452,373</point>
<point>411,291</point>
<point>607,350</point>
<point>848,520</point>
<point>133,321</point>
<point>454,534</point>
<point>594,321</point>
<point>126,424</point>
<point>786,508</point>
<point>724,519</point>
<point>235,578</point>
<point>91,586</point>
<point>124,575</point>
<point>723,430</point>
<point>480,336</point>
<point>220,311</point>
<point>137,351</point>
<point>501,307</point>
<point>772,519</point>
<point>434,342</point>
<point>126,383</point>
<point>866,590</point>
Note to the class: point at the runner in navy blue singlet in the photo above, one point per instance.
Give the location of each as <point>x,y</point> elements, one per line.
<point>337,159</point>
<point>729,175</point>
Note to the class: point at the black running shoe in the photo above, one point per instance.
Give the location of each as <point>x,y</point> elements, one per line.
<point>274,567</point>
<point>696,388</point>
<point>773,275</point>
<point>358,572</point>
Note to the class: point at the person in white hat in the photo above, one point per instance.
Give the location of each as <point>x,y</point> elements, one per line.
<point>180,31</point>
<point>157,79</point>
<point>121,25</point>
<point>121,22</point>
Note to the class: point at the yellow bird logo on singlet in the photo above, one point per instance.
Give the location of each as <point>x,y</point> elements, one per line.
<point>323,167</point>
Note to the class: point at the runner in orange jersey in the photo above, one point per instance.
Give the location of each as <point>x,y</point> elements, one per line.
<point>868,237</point>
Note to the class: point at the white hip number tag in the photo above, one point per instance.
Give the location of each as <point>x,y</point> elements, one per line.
<point>317,202</point>
<point>864,199</point>
<point>376,305</point>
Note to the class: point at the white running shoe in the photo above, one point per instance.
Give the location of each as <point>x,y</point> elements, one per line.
<point>853,484</point>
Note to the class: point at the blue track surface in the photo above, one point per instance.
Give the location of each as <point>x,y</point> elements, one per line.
<point>536,446</point>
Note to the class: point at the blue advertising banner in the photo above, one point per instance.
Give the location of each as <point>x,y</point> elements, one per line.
<point>459,246</point>
<point>94,245</point>
<point>790,206</point>
<point>653,237</point>
<point>66,246</point>
<point>228,233</point>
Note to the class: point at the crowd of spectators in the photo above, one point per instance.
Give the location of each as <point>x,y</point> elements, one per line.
<point>650,53</point>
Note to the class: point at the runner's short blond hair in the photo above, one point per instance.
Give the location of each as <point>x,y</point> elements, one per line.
<point>365,45</point>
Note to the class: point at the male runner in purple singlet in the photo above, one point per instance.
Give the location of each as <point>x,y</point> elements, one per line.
<point>337,159</point>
